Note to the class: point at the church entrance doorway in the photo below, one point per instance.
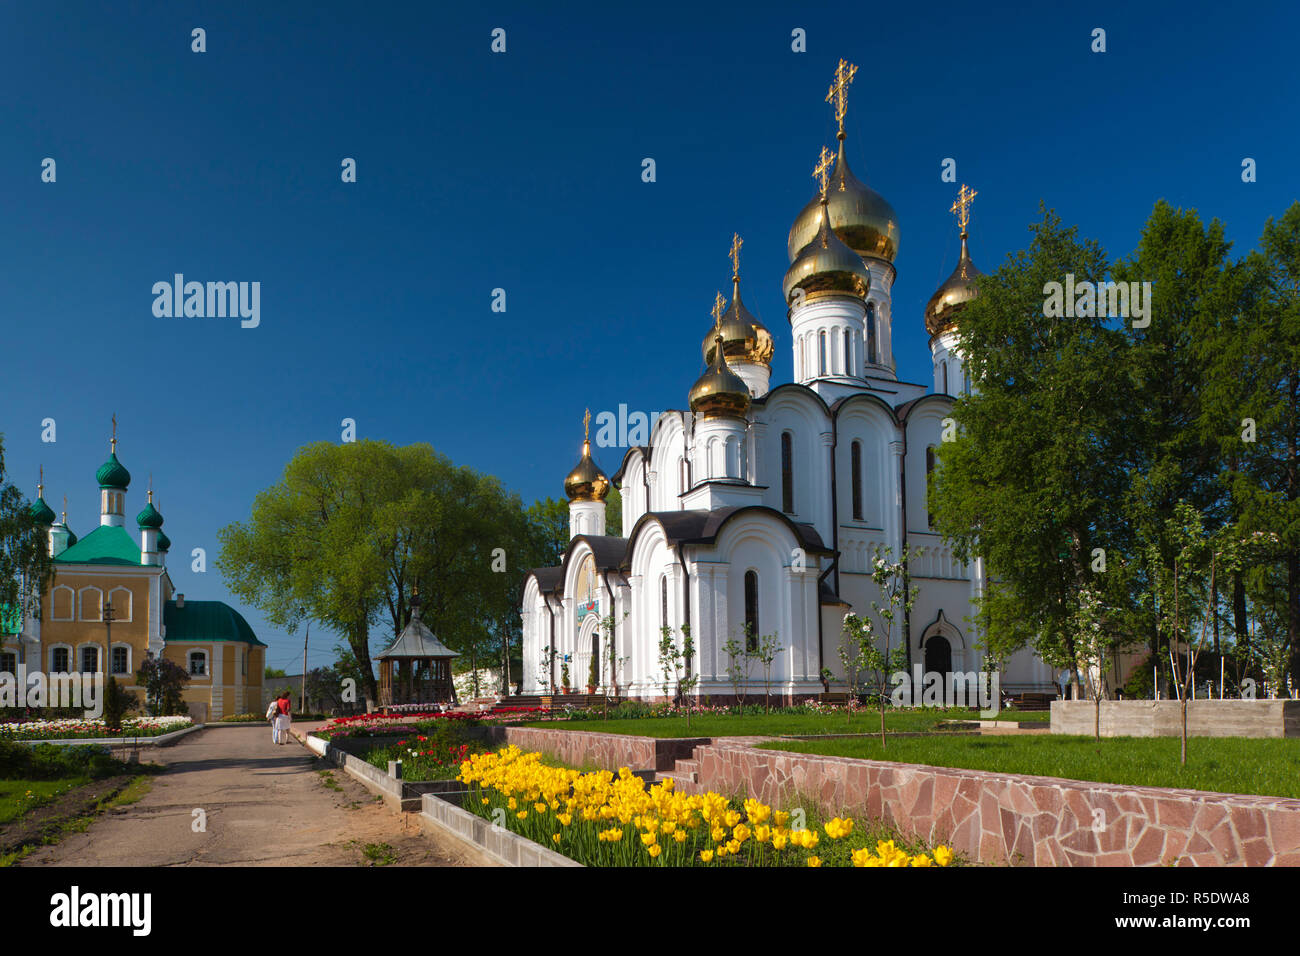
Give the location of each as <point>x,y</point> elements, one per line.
<point>938,655</point>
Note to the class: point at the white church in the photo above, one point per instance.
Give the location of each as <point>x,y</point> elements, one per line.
<point>759,509</point>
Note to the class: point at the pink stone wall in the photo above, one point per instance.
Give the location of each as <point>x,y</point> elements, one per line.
<point>1006,818</point>
<point>580,748</point>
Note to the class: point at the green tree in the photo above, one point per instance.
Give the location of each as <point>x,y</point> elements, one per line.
<point>351,531</point>
<point>164,686</point>
<point>25,564</point>
<point>1251,408</point>
<point>1030,478</point>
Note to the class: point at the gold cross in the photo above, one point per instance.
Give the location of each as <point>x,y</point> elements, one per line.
<point>586,426</point>
<point>822,171</point>
<point>40,484</point>
<point>962,206</point>
<point>113,440</point>
<point>839,91</point>
<point>719,303</point>
<point>65,509</point>
<point>736,243</point>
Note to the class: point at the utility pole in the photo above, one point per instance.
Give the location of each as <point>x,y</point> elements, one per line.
<point>303,699</point>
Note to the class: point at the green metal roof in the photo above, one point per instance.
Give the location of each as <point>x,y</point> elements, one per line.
<point>112,474</point>
<point>10,622</point>
<point>42,512</point>
<point>206,621</point>
<point>104,545</point>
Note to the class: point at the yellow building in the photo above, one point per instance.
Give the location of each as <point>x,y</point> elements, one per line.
<point>110,603</point>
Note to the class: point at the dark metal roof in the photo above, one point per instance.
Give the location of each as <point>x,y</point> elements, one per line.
<point>548,579</point>
<point>416,640</point>
<point>617,477</point>
<point>703,527</point>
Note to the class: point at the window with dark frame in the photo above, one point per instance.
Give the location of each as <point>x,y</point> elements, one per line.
<point>198,664</point>
<point>787,474</point>
<point>871,332</point>
<point>929,470</point>
<point>120,660</point>
<point>89,660</point>
<point>60,662</point>
<point>751,610</point>
<point>855,460</point>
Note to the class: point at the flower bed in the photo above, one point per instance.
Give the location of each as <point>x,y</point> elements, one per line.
<point>603,819</point>
<point>437,755</point>
<point>74,728</point>
<point>385,725</point>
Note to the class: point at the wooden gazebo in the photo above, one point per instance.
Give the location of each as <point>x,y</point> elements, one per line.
<point>416,668</point>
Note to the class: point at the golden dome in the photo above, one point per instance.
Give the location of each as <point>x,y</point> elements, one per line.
<point>744,338</point>
<point>586,482</point>
<point>826,266</point>
<point>719,392</point>
<point>949,298</point>
<point>859,215</point>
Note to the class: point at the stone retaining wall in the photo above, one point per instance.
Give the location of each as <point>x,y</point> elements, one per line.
<point>579,748</point>
<point>1163,718</point>
<point>1008,818</point>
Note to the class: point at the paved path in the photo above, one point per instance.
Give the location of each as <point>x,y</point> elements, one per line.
<point>265,805</point>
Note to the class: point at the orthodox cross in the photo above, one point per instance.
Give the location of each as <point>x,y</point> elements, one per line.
<point>586,426</point>
<point>40,484</point>
<point>839,91</point>
<point>113,440</point>
<point>822,171</point>
<point>65,509</point>
<point>962,206</point>
<point>736,243</point>
<point>719,303</point>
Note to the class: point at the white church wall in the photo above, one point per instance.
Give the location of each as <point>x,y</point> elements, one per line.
<point>805,418</point>
<point>667,454</point>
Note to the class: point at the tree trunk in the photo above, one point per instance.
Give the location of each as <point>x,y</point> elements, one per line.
<point>1096,722</point>
<point>1183,758</point>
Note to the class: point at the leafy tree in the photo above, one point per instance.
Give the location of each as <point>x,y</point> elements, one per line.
<point>351,531</point>
<point>1251,408</point>
<point>765,653</point>
<point>274,672</point>
<point>25,564</point>
<point>1030,481</point>
<point>739,659</point>
<point>164,683</point>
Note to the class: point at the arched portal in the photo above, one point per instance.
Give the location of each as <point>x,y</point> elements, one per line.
<point>938,655</point>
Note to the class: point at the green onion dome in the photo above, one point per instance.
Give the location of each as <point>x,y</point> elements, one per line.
<point>42,513</point>
<point>112,474</point>
<point>149,517</point>
<point>164,542</point>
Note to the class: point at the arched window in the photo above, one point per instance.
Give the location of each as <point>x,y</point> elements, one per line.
<point>89,659</point>
<point>803,360</point>
<point>121,659</point>
<point>787,473</point>
<point>198,663</point>
<point>855,461</point>
<point>848,352</point>
<point>682,478</point>
<point>945,378</point>
<point>60,660</point>
<point>751,610</point>
<point>929,471</point>
<point>821,353</point>
<point>871,333</point>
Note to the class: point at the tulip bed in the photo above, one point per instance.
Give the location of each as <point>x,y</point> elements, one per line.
<point>607,819</point>
<point>74,728</point>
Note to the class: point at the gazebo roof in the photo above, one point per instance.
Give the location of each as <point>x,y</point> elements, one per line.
<point>416,641</point>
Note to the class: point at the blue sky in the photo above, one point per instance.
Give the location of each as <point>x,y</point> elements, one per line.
<point>522,171</point>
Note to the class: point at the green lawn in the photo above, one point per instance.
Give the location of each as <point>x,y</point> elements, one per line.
<point>19,796</point>
<point>760,724</point>
<point>1222,764</point>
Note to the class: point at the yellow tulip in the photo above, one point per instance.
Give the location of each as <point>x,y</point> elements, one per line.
<point>706,856</point>
<point>942,855</point>
<point>814,861</point>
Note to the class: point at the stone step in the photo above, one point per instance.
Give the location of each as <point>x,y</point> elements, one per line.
<point>677,776</point>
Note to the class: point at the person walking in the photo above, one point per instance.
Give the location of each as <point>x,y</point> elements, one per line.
<point>280,726</point>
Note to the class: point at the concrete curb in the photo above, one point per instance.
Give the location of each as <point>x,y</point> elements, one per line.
<point>498,844</point>
<point>162,740</point>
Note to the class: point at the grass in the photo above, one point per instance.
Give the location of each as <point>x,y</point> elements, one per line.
<point>19,796</point>
<point>778,724</point>
<point>1268,767</point>
<point>133,790</point>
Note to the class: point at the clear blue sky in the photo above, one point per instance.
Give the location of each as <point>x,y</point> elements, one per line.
<point>523,171</point>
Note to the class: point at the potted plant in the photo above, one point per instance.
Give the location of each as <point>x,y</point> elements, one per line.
<point>564,678</point>
<point>593,676</point>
